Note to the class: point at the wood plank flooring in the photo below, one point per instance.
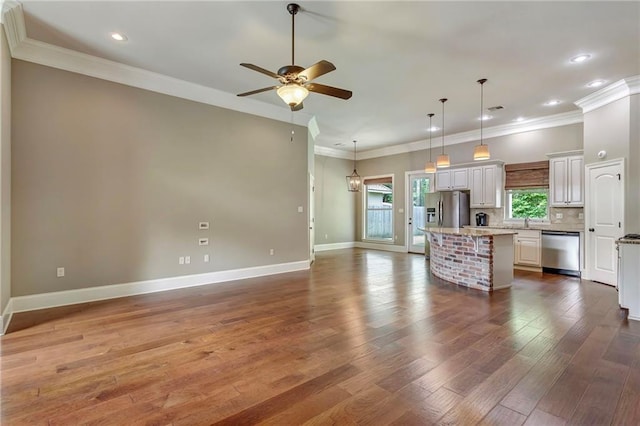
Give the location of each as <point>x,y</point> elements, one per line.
<point>364,337</point>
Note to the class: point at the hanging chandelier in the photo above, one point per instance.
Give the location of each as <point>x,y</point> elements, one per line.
<point>354,181</point>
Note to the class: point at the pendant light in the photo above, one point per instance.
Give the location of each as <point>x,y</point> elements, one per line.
<point>430,167</point>
<point>443,159</point>
<point>354,180</point>
<point>481,152</point>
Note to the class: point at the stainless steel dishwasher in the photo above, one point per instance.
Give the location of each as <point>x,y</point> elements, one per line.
<point>561,252</point>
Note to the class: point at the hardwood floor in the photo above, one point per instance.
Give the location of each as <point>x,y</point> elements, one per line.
<point>365,337</point>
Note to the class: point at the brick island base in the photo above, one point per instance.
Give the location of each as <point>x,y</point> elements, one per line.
<point>480,259</point>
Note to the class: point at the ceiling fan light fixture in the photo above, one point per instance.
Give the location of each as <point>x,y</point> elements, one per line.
<point>481,152</point>
<point>293,93</point>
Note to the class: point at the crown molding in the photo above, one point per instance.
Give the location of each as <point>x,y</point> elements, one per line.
<point>613,92</point>
<point>13,19</point>
<point>556,120</point>
<point>332,152</point>
<point>38,52</point>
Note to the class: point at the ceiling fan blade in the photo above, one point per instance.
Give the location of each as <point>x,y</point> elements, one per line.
<point>316,70</point>
<point>297,107</point>
<point>253,92</point>
<point>259,69</point>
<point>328,90</point>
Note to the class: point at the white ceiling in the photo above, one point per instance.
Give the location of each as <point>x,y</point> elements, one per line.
<point>398,58</point>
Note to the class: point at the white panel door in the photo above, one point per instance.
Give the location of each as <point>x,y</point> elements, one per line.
<point>460,178</point>
<point>477,187</point>
<point>558,181</point>
<point>443,180</point>
<point>575,181</point>
<point>489,185</point>
<point>419,187</point>
<point>604,220</point>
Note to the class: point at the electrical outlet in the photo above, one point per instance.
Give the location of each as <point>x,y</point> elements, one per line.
<point>187,259</point>
<point>203,241</point>
<point>580,215</point>
<point>559,215</point>
<point>326,236</point>
<point>206,258</point>
<point>203,225</point>
<point>181,260</point>
<point>271,252</point>
<point>300,209</point>
<point>60,272</point>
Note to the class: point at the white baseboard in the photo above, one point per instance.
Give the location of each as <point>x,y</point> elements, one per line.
<point>91,294</point>
<point>6,317</point>
<point>384,247</point>
<point>333,246</point>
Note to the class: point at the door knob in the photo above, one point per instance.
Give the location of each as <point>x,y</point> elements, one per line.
<point>591,230</point>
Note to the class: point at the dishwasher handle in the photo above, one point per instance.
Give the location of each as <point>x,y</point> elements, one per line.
<point>569,233</point>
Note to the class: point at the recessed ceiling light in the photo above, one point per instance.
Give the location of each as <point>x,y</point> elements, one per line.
<point>596,83</point>
<point>519,119</point>
<point>433,129</point>
<point>485,117</point>
<point>580,58</point>
<point>552,102</point>
<point>118,37</point>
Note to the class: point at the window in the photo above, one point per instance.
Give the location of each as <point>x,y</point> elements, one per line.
<point>530,202</point>
<point>378,193</point>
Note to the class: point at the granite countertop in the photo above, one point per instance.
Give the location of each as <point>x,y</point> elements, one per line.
<point>627,241</point>
<point>571,227</point>
<point>471,232</point>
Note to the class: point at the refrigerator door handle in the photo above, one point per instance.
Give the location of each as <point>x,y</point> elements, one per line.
<point>440,213</point>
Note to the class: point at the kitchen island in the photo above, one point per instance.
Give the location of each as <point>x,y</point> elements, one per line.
<point>476,258</point>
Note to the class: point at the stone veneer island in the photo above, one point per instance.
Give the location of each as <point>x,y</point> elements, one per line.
<point>476,258</point>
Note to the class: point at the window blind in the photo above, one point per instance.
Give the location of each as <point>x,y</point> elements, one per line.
<point>527,175</point>
<point>380,180</point>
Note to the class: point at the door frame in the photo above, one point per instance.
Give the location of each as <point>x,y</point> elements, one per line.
<point>588,244</point>
<point>408,201</point>
<point>312,219</point>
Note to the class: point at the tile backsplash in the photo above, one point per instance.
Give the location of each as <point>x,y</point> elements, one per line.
<point>570,215</point>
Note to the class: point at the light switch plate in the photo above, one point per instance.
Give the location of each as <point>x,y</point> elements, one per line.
<point>559,215</point>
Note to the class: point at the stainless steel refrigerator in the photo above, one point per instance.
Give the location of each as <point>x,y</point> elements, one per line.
<point>449,209</point>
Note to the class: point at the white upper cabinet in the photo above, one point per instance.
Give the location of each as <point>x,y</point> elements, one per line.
<point>566,181</point>
<point>452,179</point>
<point>486,186</point>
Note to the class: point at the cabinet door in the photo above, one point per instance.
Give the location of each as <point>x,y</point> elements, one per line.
<point>443,180</point>
<point>575,181</point>
<point>558,181</point>
<point>477,187</point>
<point>460,178</point>
<point>528,251</point>
<point>489,185</point>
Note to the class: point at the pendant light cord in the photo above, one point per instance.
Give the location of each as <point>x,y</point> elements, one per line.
<point>355,150</point>
<point>482,81</point>
<point>293,35</point>
<point>443,100</point>
<point>430,133</point>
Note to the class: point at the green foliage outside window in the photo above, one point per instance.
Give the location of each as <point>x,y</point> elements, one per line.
<point>530,204</point>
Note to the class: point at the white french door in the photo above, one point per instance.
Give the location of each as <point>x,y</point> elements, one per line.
<point>604,216</point>
<point>419,184</point>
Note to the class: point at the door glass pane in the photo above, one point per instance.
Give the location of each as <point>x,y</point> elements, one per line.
<point>419,190</point>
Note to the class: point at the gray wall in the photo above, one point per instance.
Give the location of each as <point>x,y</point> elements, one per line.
<point>5,172</point>
<point>615,129</point>
<point>517,148</point>
<point>110,182</point>
<point>335,207</point>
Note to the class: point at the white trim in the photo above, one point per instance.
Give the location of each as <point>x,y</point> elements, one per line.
<point>332,152</point>
<point>13,19</point>
<point>565,153</point>
<point>334,246</point>
<point>6,317</point>
<point>557,120</point>
<point>90,294</point>
<point>381,246</point>
<point>611,93</point>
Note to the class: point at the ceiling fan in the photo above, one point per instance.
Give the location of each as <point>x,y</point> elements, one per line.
<point>296,81</point>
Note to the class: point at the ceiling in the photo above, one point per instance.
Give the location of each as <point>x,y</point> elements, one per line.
<point>398,58</point>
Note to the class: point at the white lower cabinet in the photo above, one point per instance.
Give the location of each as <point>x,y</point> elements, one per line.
<point>628,285</point>
<point>527,249</point>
